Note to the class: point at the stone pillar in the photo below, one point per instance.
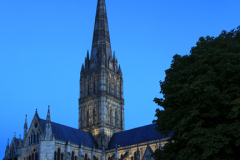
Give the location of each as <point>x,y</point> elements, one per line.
<point>103,153</point>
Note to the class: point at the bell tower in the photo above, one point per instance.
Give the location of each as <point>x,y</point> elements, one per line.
<point>101,103</point>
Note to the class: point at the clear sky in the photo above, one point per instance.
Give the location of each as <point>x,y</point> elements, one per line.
<point>44,43</point>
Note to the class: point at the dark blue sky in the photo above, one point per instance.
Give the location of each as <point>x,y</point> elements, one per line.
<point>44,43</point>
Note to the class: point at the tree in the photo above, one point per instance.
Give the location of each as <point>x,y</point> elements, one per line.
<point>201,101</point>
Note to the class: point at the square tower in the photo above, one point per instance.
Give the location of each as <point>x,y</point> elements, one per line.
<point>101,103</point>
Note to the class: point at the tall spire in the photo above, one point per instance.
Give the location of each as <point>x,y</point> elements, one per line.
<point>101,38</point>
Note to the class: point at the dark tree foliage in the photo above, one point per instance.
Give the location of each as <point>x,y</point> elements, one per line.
<point>202,101</point>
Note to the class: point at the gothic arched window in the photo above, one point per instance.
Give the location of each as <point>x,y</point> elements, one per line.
<point>107,86</point>
<point>85,158</point>
<point>29,157</point>
<point>110,122</point>
<point>87,117</point>
<point>88,89</point>
<point>34,138</point>
<point>58,157</point>
<point>62,156</point>
<point>37,136</point>
<point>135,156</point>
<point>55,155</point>
<point>36,155</point>
<point>115,88</point>
<point>72,155</point>
<point>75,157</point>
<point>94,90</point>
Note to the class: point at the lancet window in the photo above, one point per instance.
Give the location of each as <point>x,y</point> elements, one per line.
<point>55,155</point>
<point>135,155</point>
<point>94,114</point>
<point>87,117</point>
<point>73,157</point>
<point>58,154</point>
<point>110,115</point>
<point>115,117</point>
<point>94,87</point>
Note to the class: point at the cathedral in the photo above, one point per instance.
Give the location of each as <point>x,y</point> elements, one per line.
<point>100,134</point>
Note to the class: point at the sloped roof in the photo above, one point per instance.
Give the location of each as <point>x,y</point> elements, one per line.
<point>77,136</point>
<point>136,135</point>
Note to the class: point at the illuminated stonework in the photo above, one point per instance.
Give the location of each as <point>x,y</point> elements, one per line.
<point>100,134</point>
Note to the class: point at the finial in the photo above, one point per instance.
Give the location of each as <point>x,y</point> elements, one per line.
<point>49,110</point>
<point>36,110</point>
<point>114,58</point>
<point>8,142</point>
<point>25,124</point>
<point>119,70</point>
<point>48,115</point>
<point>81,144</point>
<point>15,134</point>
<point>20,136</point>
<point>87,54</point>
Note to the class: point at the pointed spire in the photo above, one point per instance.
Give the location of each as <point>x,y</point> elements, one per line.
<point>87,54</point>
<point>48,119</point>
<point>36,111</point>
<point>48,127</point>
<point>25,124</point>
<point>20,136</point>
<point>25,128</point>
<point>14,134</point>
<point>8,142</point>
<point>119,70</point>
<point>101,38</point>
<point>114,58</point>
<point>82,69</point>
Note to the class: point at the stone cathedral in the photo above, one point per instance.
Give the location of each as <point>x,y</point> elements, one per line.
<point>100,134</point>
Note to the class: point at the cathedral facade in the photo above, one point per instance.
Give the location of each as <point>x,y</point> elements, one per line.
<point>100,134</point>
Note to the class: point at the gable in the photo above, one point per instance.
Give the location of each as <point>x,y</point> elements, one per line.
<point>35,127</point>
<point>148,151</point>
<point>66,133</point>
